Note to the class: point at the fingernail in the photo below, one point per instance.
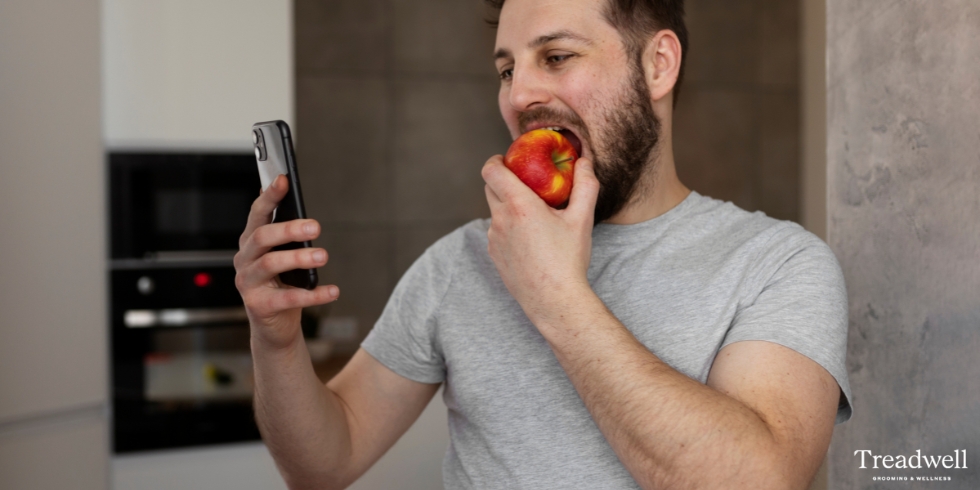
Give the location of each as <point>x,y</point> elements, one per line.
<point>319,256</point>
<point>333,291</point>
<point>309,228</point>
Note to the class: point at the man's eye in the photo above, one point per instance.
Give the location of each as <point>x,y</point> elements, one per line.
<point>557,58</point>
<point>506,74</point>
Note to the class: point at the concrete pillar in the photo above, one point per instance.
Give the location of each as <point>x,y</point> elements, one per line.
<point>903,149</point>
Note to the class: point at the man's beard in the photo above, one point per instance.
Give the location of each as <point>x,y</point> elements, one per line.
<point>624,149</point>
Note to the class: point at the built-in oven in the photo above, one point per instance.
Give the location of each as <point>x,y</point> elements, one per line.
<point>181,369</point>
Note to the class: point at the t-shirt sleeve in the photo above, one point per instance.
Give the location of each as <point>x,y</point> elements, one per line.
<point>801,304</point>
<point>404,338</point>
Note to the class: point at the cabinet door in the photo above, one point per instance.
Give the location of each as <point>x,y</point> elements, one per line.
<point>52,243</point>
<point>61,452</point>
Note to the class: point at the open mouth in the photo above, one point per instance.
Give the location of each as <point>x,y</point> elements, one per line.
<point>569,135</point>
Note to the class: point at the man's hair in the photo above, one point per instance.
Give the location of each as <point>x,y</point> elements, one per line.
<point>637,21</point>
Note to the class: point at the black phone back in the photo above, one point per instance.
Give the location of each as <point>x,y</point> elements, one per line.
<point>274,154</point>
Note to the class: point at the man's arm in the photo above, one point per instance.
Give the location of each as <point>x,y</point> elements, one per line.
<point>328,436</point>
<point>763,420</point>
<point>320,436</point>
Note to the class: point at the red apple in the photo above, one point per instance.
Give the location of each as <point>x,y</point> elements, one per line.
<point>545,161</point>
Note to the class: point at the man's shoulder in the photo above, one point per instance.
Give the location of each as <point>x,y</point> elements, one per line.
<point>759,244</point>
<point>724,224</point>
<point>463,239</point>
<point>464,243</point>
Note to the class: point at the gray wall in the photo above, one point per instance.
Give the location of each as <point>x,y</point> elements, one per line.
<point>53,335</point>
<point>737,125</point>
<point>396,113</point>
<point>904,219</point>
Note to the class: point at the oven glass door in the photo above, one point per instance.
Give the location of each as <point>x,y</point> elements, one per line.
<point>169,205</point>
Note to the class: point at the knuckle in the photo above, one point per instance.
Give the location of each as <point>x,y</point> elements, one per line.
<point>269,304</point>
<point>260,236</point>
<point>251,301</point>
<point>286,300</point>
<point>240,283</point>
<point>295,229</point>
<point>266,235</point>
<point>268,262</point>
<point>487,171</point>
<point>259,205</point>
<point>288,230</point>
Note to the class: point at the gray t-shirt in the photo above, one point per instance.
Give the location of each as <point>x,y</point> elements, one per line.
<point>687,283</point>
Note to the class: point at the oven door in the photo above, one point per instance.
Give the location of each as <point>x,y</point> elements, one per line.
<point>181,366</point>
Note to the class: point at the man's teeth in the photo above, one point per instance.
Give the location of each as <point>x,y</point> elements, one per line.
<point>554,128</point>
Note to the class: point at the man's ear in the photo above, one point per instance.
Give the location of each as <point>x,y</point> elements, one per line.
<point>662,63</point>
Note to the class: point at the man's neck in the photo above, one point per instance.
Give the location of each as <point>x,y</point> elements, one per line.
<point>658,192</point>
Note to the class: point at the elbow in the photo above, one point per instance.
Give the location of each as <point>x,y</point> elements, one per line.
<point>780,472</point>
<point>758,471</point>
<point>318,482</point>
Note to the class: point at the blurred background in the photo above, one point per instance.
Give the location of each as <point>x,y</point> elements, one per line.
<point>126,158</point>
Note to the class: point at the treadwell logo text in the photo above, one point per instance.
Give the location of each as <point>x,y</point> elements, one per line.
<point>957,460</point>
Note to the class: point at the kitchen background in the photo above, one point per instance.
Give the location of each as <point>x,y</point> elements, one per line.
<point>394,110</point>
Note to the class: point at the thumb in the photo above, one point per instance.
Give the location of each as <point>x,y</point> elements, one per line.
<point>585,188</point>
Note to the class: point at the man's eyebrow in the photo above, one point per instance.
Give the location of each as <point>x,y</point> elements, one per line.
<point>501,53</point>
<point>557,35</point>
<point>545,39</point>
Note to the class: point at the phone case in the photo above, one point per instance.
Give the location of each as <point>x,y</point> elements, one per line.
<point>274,155</point>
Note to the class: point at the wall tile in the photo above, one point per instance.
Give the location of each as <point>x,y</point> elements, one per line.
<point>724,41</point>
<point>342,136</point>
<point>360,265</point>
<point>340,36</point>
<point>780,163</point>
<point>779,59</point>
<point>444,132</point>
<point>716,144</point>
<point>442,36</point>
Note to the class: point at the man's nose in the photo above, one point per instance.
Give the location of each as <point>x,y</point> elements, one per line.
<point>528,89</point>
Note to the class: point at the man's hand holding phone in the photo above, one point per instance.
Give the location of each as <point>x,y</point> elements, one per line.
<point>274,308</point>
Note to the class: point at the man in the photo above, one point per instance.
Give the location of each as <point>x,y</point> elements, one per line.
<point>644,336</point>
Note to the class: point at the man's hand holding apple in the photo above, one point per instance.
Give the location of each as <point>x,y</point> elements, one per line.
<point>541,253</point>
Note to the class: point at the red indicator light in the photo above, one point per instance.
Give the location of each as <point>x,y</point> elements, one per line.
<point>202,279</point>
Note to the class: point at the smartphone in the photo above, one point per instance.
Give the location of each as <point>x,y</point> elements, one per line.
<point>274,154</point>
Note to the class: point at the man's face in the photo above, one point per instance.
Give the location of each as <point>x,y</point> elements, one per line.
<point>562,65</point>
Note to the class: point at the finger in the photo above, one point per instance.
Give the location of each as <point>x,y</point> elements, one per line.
<point>267,236</point>
<point>505,185</point>
<point>267,267</point>
<point>492,198</point>
<point>263,206</point>
<point>268,302</point>
<point>585,189</point>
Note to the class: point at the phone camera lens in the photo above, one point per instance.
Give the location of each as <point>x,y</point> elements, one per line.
<point>259,142</point>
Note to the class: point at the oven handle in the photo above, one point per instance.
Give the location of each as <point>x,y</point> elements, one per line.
<point>179,317</point>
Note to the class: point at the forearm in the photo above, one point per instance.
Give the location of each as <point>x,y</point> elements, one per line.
<point>670,431</point>
<point>302,422</point>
